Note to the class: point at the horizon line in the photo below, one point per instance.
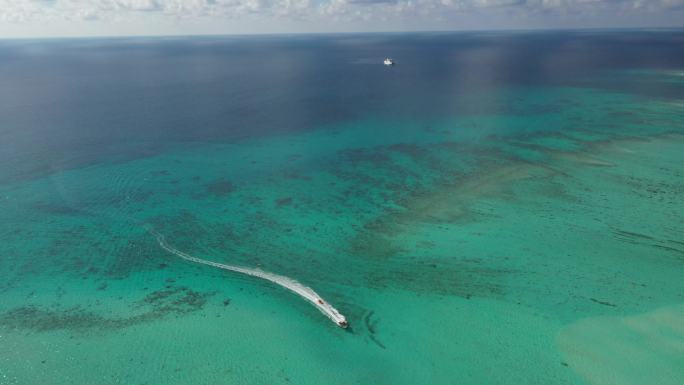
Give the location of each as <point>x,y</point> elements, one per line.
<point>321,33</point>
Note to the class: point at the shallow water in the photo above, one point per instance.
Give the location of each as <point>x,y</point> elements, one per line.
<point>495,209</point>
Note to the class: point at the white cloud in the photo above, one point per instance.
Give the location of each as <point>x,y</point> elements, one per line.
<point>323,12</point>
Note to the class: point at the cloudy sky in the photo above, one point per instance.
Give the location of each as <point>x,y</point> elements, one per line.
<point>32,18</point>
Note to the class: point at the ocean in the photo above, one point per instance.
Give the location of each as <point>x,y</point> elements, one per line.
<point>495,208</point>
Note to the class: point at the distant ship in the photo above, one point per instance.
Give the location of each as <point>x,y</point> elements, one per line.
<point>388,62</point>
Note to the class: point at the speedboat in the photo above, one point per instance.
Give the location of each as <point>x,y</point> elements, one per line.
<point>388,62</point>
<point>343,324</point>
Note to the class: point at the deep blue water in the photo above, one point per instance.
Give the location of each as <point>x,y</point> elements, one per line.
<point>68,103</point>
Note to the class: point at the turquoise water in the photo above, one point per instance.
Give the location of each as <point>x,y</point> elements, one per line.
<point>528,235</point>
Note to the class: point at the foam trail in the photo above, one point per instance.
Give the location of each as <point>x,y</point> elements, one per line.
<point>303,291</point>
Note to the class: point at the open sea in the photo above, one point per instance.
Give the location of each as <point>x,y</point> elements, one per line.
<point>496,208</point>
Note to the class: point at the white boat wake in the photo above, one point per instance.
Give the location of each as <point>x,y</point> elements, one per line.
<point>303,291</point>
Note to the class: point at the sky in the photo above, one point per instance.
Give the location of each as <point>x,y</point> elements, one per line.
<point>56,18</point>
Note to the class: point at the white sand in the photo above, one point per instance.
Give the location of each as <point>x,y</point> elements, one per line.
<point>645,349</point>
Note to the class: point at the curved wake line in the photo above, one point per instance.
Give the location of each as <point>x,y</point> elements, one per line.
<point>303,291</point>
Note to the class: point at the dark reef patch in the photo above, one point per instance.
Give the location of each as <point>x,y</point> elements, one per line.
<point>283,202</point>
<point>135,255</point>
<point>220,188</point>
<point>177,300</point>
<point>74,318</point>
<point>157,305</point>
<point>374,246</point>
<point>410,149</point>
<point>93,250</point>
<point>185,228</point>
<point>56,209</point>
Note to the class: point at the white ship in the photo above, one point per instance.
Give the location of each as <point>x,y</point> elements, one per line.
<point>388,62</point>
